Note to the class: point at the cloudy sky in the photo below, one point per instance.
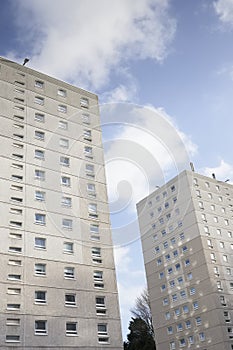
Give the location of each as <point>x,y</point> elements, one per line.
<point>163,70</point>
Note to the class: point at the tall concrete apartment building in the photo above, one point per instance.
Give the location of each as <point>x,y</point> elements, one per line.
<point>187,239</point>
<point>57,277</point>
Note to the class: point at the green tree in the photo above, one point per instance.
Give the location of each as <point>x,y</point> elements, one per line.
<point>139,337</point>
<point>141,331</point>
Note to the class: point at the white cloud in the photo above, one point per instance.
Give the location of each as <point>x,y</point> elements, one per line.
<point>83,41</point>
<point>224,10</point>
<point>145,148</point>
<point>222,172</point>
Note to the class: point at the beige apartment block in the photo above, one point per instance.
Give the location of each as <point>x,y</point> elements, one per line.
<point>57,277</point>
<point>187,238</point>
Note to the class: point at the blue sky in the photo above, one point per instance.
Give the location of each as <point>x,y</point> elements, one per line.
<point>163,70</point>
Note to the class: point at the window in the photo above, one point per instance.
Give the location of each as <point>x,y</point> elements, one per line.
<point>172,345</point>
<point>228,271</point>
<point>87,135</point>
<point>182,236</point>
<point>86,118</point>
<point>91,189</point>
<point>161,221</point>
<point>183,294</point>
<point>62,108</point>
<point>191,339</point>
<point>92,209</point>
<point>226,222</point>
<point>39,135</point>
<point>39,154</point>
<point>12,321</point>
<point>63,125</point>
<point>184,249</point>
<point>14,277</point>
<point>182,342</point>
<point>70,299</point>
<point>69,272</point>
<point>221,244</point>
<point>65,181</point>
<point>88,151</point>
<point>40,174</point>
<point>100,305</point>
<point>169,270</point>
<point>17,224</point>
<point>173,240</point>
<point>167,315</point>
<point>180,280</point>
<point>165,245</point>
<point>12,338</point>
<point>64,143</point>
<point>40,297</point>
<point>40,219</point>
<point>159,261</point>
<point>192,291</point>
<point>66,201</point>
<point>40,327</point>
<point>65,161</point>
<point>161,275</point>
<point>15,263</point>
<point>166,205</point>
<point>96,252</point>
<point>169,330</point>
<point>188,324</point>
<point>39,117</point>
<point>94,230</point>
<point>40,243</point>
<point>39,100</point>
<point>39,84</point>
<point>163,287</point>
<point>90,170</point>
<point>177,312</point>
<point>185,309</point>
<point>173,188</point>
<point>68,247</point>
<point>195,305</point>
<point>164,194</point>
<point>222,300</point>
<point>187,262</point>
<point>40,196</point>
<point>13,306</point>
<point>40,269</point>
<point>212,207</point>
<point>179,327</point>
<point>177,266</point>
<point>202,336</point>
<point>98,275</point>
<point>61,92</point>
<point>163,232</point>
<point>174,297</point>
<point>172,283</point>
<point>225,258</point>
<point>175,253</point>
<point>71,328</point>
<point>15,249</point>
<point>215,219</point>
<point>84,102</point>
<point>67,224</point>
<point>102,329</point>
<point>198,321</point>
<point>167,257</point>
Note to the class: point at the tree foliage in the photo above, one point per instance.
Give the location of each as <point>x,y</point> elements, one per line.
<point>142,310</point>
<point>141,335</point>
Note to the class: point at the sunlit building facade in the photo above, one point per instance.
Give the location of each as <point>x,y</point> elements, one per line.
<point>57,276</point>
<point>187,238</point>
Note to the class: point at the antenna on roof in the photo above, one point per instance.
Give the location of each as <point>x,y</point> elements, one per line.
<point>213,176</point>
<point>26,60</point>
<point>192,166</point>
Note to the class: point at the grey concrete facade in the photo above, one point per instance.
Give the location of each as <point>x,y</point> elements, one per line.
<point>187,238</point>
<point>57,277</point>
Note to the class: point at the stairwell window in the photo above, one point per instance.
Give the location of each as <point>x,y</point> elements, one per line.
<point>62,108</point>
<point>84,102</point>
<point>67,224</point>
<point>39,100</point>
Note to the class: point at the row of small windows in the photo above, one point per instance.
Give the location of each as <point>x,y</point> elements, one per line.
<point>217,187</point>
<point>183,342</point>
<point>71,328</point>
<point>164,195</point>
<point>70,299</point>
<point>175,253</point>
<point>94,231</point>
<point>69,273</point>
<point>84,102</point>
<point>65,180</point>
<point>40,218</point>
<point>177,312</point>
<point>215,219</point>
<point>178,282</point>
<point>164,232</point>
<point>181,326</point>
